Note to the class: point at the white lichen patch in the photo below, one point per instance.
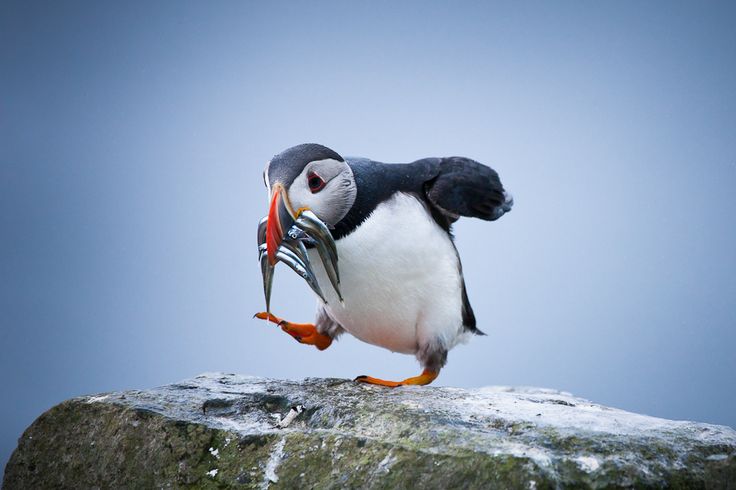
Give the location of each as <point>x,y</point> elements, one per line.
<point>411,404</point>
<point>336,455</point>
<point>540,456</point>
<point>717,457</point>
<point>97,399</point>
<point>274,460</point>
<point>386,463</point>
<point>588,463</point>
<point>242,426</point>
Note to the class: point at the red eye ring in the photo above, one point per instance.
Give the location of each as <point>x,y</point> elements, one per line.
<point>315,182</point>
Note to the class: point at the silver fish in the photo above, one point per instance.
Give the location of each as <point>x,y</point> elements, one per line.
<point>306,229</point>
<point>325,245</point>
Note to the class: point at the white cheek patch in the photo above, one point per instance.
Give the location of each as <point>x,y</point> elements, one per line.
<point>334,201</point>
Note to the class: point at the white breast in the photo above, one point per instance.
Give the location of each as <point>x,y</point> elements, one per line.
<point>400,279</point>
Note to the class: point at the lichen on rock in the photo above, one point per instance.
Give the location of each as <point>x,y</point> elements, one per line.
<point>221,431</point>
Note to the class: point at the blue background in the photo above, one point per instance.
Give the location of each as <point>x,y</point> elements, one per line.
<point>133,136</point>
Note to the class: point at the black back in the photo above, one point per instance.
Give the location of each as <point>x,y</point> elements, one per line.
<point>450,187</point>
<point>377,182</point>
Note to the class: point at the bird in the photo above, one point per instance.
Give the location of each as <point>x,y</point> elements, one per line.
<point>380,234</point>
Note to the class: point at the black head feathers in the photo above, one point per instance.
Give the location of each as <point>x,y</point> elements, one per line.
<point>288,164</point>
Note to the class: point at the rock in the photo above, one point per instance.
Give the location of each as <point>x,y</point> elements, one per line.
<point>219,431</point>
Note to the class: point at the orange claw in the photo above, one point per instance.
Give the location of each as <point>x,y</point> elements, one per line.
<point>270,317</point>
<point>304,333</point>
<point>423,379</point>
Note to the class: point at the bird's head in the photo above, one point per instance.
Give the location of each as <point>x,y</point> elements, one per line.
<point>311,188</point>
<point>308,177</point>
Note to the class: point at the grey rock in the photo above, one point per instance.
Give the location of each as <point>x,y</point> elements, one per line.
<point>221,431</point>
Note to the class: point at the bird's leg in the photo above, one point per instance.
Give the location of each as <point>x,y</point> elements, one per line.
<point>304,333</point>
<point>425,378</point>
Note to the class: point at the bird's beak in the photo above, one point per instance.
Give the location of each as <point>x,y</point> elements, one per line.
<point>283,236</point>
<point>280,220</point>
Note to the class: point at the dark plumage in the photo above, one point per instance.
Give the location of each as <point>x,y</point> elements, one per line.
<point>451,187</point>
<point>287,165</point>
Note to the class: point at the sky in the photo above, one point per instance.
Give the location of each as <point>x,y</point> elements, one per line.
<point>133,136</point>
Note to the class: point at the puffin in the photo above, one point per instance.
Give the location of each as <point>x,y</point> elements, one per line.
<point>374,242</point>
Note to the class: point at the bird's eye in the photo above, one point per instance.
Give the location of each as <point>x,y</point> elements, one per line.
<point>315,182</point>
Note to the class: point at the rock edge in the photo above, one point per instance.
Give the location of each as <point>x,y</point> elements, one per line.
<point>221,431</point>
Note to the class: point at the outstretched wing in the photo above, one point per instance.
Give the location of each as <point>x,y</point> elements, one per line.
<point>463,187</point>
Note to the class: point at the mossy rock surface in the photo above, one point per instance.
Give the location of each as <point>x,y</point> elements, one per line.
<point>219,431</point>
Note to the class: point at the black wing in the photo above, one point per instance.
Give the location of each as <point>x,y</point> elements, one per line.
<point>463,187</point>
<point>457,187</point>
<point>452,187</point>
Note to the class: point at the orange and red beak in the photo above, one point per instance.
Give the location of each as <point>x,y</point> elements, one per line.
<point>280,219</point>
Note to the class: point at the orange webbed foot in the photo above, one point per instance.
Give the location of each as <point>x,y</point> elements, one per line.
<point>304,333</point>
<point>423,379</point>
